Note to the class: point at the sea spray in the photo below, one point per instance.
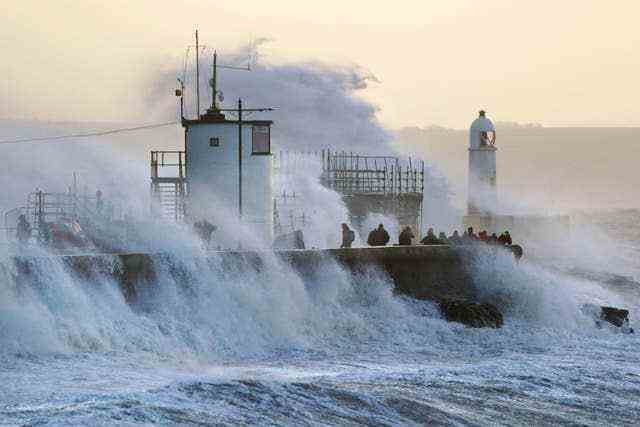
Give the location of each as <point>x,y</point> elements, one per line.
<point>215,339</point>
<point>202,306</point>
<point>530,292</point>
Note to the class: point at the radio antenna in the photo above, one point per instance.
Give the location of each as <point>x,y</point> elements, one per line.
<point>214,79</point>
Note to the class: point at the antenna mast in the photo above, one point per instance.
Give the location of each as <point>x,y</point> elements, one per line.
<point>239,111</point>
<point>214,80</point>
<point>197,77</point>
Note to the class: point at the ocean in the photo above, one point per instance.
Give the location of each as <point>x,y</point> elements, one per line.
<point>210,344</point>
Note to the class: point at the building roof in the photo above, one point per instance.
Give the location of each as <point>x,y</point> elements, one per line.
<point>216,117</point>
<point>482,124</point>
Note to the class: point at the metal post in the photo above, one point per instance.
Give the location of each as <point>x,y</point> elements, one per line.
<point>214,82</point>
<point>197,77</point>
<point>240,158</point>
<point>182,107</point>
<point>181,99</point>
<point>75,196</point>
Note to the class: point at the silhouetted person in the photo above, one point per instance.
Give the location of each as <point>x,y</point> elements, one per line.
<point>383,236</point>
<point>378,237</point>
<point>204,229</point>
<point>23,229</point>
<point>455,238</point>
<point>505,238</point>
<point>493,239</point>
<point>405,237</point>
<point>99,202</point>
<point>430,238</point>
<point>348,236</point>
<point>469,236</point>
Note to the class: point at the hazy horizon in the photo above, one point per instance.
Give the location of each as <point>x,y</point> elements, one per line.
<point>360,81</point>
<point>429,62</point>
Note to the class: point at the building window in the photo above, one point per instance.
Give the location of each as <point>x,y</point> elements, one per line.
<point>261,141</point>
<point>214,142</point>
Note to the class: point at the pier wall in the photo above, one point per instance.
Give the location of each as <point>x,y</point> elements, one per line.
<point>424,272</point>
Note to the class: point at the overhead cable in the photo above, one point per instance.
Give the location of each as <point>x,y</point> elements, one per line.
<point>87,134</point>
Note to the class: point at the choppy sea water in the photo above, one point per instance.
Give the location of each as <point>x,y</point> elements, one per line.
<point>212,344</point>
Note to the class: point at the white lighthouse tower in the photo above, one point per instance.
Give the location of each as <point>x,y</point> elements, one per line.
<point>223,174</point>
<point>482,197</point>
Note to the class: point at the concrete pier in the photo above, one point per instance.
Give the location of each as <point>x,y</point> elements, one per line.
<point>425,272</point>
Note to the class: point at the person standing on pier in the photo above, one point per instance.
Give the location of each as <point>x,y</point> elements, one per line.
<point>405,237</point>
<point>378,237</point>
<point>23,230</point>
<point>348,236</point>
<point>430,238</point>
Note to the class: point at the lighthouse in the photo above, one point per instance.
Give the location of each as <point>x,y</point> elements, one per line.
<point>483,212</point>
<point>482,196</point>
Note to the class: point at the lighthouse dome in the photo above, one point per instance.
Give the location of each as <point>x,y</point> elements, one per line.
<point>481,124</point>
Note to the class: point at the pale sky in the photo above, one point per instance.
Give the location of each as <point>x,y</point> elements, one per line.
<point>554,62</point>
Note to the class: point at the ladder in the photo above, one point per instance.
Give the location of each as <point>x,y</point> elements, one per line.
<point>169,197</point>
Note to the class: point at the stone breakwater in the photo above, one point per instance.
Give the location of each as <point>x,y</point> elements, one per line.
<point>436,273</point>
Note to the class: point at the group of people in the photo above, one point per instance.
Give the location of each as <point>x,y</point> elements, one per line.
<point>377,237</point>
<point>380,237</point>
<point>468,237</point>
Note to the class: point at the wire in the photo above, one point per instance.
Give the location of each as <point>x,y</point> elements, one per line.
<point>88,134</point>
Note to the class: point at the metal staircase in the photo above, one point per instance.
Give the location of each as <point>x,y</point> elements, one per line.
<point>169,199</point>
<point>169,189</point>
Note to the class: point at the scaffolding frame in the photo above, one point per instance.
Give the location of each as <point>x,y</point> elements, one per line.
<point>44,207</point>
<point>349,173</point>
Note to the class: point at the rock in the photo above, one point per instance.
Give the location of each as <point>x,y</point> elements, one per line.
<point>617,317</point>
<point>472,314</point>
<point>517,251</point>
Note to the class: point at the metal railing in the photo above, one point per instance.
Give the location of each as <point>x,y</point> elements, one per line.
<point>349,173</point>
<point>43,207</point>
<point>175,163</point>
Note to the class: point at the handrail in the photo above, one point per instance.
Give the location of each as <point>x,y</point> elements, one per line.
<point>177,159</point>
